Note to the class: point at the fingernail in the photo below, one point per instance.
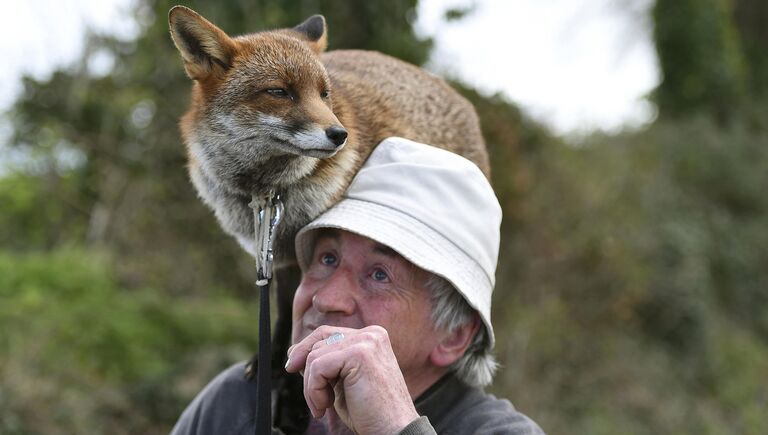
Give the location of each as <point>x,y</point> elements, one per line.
<point>290,349</point>
<point>288,361</point>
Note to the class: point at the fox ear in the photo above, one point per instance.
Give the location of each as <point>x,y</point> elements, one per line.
<point>205,48</point>
<point>314,31</point>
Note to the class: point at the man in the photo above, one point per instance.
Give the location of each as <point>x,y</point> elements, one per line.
<point>391,321</point>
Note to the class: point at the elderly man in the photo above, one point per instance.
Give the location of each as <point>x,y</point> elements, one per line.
<point>391,322</point>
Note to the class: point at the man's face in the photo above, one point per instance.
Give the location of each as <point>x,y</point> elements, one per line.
<point>354,282</point>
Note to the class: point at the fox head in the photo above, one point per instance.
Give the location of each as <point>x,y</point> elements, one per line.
<point>262,104</point>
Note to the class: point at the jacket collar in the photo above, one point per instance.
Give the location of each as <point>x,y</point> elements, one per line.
<point>438,400</point>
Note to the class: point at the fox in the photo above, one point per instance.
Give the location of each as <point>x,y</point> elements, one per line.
<point>273,110</point>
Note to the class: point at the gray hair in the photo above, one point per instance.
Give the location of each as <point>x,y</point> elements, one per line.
<point>451,311</point>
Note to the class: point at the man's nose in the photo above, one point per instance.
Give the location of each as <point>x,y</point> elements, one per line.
<point>336,295</point>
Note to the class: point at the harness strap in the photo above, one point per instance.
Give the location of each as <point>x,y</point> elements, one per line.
<point>267,213</point>
<point>264,371</point>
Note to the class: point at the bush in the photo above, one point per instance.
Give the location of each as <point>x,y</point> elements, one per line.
<point>82,355</point>
<point>632,295</point>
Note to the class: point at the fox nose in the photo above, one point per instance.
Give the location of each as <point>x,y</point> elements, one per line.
<point>337,135</point>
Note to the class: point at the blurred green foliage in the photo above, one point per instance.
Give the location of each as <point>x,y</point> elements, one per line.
<point>632,295</point>
<point>83,355</point>
<point>700,55</point>
<point>634,291</point>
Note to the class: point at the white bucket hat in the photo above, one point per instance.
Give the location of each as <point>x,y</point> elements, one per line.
<point>433,207</point>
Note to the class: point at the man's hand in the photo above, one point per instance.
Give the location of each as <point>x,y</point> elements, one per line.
<point>358,376</point>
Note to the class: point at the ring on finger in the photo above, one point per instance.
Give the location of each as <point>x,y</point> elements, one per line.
<point>334,338</point>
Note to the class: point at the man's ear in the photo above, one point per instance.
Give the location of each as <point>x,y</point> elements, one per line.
<point>205,48</point>
<point>314,31</point>
<point>453,345</point>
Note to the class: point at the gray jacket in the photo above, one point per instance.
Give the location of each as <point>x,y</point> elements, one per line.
<point>226,406</point>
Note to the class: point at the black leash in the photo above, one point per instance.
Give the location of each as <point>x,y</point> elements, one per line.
<point>267,213</point>
<point>264,371</point>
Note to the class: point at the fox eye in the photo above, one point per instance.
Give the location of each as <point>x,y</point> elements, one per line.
<point>279,93</point>
<point>325,94</point>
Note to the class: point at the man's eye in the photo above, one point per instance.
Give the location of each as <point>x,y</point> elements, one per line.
<point>380,275</point>
<point>328,259</point>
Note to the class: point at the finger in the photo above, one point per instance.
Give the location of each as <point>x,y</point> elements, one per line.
<point>324,375</point>
<point>324,347</point>
<point>299,351</point>
<point>319,350</point>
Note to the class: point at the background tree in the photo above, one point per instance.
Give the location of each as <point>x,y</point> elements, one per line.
<point>700,55</point>
<point>750,17</point>
<point>711,53</point>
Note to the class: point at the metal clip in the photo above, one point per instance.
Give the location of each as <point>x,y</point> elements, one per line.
<point>267,214</point>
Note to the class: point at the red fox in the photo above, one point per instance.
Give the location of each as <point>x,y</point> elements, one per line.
<point>273,110</point>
